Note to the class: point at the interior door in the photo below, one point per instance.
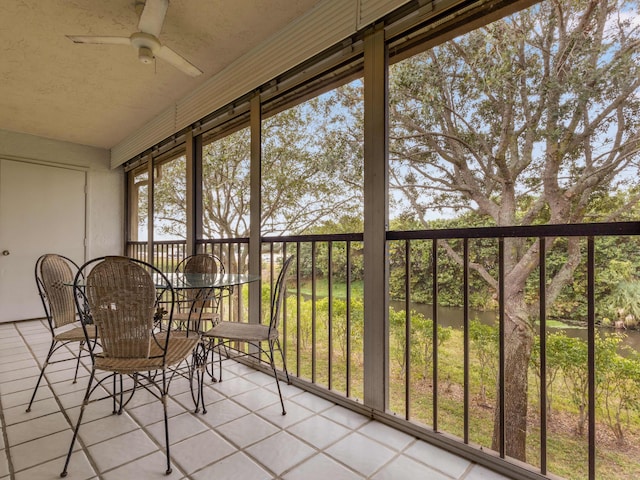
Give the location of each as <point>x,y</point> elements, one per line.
<point>42,210</point>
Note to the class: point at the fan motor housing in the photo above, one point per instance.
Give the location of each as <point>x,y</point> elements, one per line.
<point>146,44</point>
<point>145,55</point>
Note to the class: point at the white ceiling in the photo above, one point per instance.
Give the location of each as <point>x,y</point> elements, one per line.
<point>98,95</point>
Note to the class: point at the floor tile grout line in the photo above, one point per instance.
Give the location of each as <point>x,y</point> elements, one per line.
<point>145,430</point>
<point>402,453</point>
<point>280,429</point>
<point>81,443</point>
<point>244,449</point>
<point>397,453</point>
<point>237,447</point>
<point>66,416</point>
<point>35,358</point>
<point>5,435</point>
<point>323,450</point>
<point>84,447</point>
<point>467,471</point>
<point>318,450</point>
<point>293,397</point>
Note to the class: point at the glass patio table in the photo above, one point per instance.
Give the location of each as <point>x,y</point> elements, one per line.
<point>208,286</point>
<point>180,281</point>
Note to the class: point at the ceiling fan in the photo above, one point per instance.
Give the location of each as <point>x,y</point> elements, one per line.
<point>145,40</point>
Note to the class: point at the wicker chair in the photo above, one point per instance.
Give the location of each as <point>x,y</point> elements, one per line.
<point>226,333</point>
<point>197,307</point>
<point>121,295</point>
<point>54,276</point>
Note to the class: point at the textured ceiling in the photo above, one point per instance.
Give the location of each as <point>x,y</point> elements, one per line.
<point>99,94</point>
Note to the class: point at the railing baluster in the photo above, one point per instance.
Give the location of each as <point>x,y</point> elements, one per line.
<point>283,320</point>
<point>271,272</point>
<point>407,329</point>
<point>348,327</point>
<point>314,350</point>
<point>591,358</point>
<point>501,355</point>
<point>298,317</point>
<point>465,326</point>
<point>434,333</point>
<point>330,313</point>
<point>227,268</point>
<point>543,353</point>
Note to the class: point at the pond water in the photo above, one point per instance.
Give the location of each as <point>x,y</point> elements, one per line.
<point>453,317</point>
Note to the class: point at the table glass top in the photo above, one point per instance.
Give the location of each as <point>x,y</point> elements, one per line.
<point>209,280</point>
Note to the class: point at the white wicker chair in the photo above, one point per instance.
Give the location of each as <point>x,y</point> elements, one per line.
<point>121,296</point>
<point>54,276</point>
<point>226,333</point>
<point>196,308</point>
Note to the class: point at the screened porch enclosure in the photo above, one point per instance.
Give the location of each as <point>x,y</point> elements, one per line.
<point>440,391</point>
<point>462,209</point>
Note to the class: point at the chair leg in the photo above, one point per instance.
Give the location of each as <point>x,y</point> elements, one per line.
<point>114,394</point>
<point>275,374</point>
<point>122,393</point>
<point>85,402</point>
<point>211,349</point>
<point>284,362</point>
<point>75,376</point>
<point>202,371</point>
<point>198,369</point>
<point>220,343</point>
<point>44,365</point>
<point>191,365</point>
<point>164,399</point>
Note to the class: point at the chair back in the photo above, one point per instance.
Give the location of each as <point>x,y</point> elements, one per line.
<point>277,297</point>
<point>197,300</point>
<point>201,263</point>
<point>122,297</point>
<point>54,277</point>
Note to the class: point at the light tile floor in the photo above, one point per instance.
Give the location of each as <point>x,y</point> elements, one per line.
<point>243,435</point>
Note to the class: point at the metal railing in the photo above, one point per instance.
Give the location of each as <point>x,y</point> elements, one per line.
<point>234,254</point>
<point>457,248</point>
<point>137,250</point>
<point>166,253</point>
<point>323,325</point>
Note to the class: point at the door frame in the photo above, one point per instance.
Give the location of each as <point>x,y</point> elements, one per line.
<point>85,204</point>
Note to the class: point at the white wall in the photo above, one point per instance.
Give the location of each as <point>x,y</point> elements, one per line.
<point>105,187</point>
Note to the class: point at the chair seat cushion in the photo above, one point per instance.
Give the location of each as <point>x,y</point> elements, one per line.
<point>179,348</point>
<point>75,334</point>
<point>248,332</point>
<point>184,316</point>
<point>195,322</point>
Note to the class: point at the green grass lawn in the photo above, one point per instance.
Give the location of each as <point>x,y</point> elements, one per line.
<point>567,451</point>
<point>339,289</point>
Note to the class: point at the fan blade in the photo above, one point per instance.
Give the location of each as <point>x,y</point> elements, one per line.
<point>99,40</point>
<point>168,55</point>
<point>152,16</point>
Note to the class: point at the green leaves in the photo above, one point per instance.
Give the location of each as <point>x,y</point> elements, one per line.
<point>617,378</point>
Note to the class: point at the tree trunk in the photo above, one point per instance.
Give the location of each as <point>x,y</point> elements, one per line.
<point>517,353</point>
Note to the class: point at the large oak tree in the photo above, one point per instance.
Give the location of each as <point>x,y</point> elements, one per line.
<point>525,121</point>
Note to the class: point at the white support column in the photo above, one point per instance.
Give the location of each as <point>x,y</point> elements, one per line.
<point>255,210</point>
<point>133,208</point>
<point>190,153</point>
<point>375,221</point>
<point>150,189</point>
